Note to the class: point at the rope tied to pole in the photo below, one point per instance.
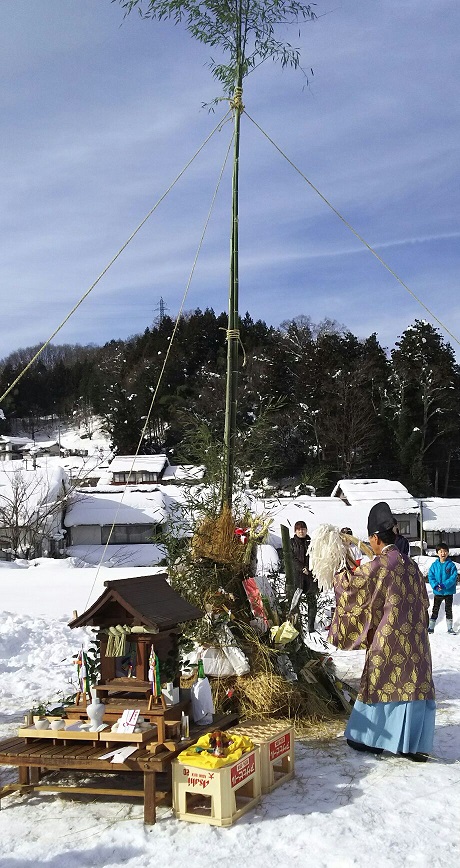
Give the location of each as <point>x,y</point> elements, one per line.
<point>234,335</point>
<point>236,101</point>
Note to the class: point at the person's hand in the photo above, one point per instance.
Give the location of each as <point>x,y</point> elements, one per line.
<point>439,587</point>
<point>305,570</point>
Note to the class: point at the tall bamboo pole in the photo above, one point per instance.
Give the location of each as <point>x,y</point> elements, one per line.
<point>231,395</point>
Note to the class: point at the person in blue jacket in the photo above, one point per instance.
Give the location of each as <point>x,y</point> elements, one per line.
<point>442,577</point>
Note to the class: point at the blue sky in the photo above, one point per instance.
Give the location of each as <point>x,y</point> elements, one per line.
<point>99,114</point>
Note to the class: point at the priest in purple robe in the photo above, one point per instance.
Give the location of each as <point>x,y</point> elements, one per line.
<point>383,607</point>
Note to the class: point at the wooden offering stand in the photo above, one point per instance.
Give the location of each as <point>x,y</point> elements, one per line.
<point>153,610</point>
<point>40,754</point>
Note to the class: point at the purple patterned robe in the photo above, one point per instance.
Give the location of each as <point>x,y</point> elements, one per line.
<point>383,608</point>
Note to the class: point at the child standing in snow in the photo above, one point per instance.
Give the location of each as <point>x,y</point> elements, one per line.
<point>442,577</point>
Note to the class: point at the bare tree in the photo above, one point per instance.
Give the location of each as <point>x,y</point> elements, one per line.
<point>31,511</point>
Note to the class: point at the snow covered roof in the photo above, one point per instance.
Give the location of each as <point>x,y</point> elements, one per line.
<point>441,513</point>
<point>150,463</point>
<point>119,506</point>
<point>31,487</point>
<point>373,491</point>
<point>16,441</point>
<point>46,444</point>
<point>84,466</point>
<point>183,472</point>
<point>125,555</point>
<point>313,511</point>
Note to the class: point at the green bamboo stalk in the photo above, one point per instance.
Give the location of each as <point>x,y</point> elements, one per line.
<point>231,394</point>
<point>288,562</point>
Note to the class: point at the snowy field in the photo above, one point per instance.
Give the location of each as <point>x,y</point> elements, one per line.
<point>342,809</point>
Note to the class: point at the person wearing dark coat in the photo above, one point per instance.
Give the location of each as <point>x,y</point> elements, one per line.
<point>303,576</point>
<point>401,543</point>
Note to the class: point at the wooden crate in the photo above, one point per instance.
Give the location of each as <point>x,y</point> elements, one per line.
<point>216,796</point>
<point>276,745</point>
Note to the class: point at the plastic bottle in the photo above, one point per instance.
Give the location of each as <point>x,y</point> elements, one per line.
<point>184,726</point>
<point>200,671</point>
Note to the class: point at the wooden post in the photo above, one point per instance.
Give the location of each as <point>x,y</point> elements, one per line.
<point>107,663</point>
<point>23,775</point>
<point>142,659</point>
<point>34,774</point>
<point>149,798</point>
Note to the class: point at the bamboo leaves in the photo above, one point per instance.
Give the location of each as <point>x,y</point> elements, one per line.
<point>245,30</point>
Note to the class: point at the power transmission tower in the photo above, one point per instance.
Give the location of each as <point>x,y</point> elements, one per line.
<point>161,310</point>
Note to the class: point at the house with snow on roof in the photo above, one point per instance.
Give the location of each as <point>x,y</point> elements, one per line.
<point>312,510</point>
<point>16,448</point>
<point>12,448</point>
<point>367,492</point>
<point>123,522</point>
<point>148,470</point>
<point>32,503</point>
<point>440,517</point>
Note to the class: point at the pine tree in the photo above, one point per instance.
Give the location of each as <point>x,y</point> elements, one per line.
<point>426,403</point>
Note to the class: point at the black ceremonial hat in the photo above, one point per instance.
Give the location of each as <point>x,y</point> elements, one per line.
<point>380,518</point>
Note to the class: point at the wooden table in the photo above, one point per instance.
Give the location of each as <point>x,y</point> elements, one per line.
<point>116,704</point>
<point>36,757</point>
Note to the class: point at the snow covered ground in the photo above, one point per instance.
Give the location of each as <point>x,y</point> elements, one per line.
<point>343,809</point>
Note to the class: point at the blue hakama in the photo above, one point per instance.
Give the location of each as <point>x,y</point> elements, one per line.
<point>398,727</point>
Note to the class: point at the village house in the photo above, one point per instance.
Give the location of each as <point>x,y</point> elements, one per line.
<point>313,511</point>
<point>143,470</point>
<point>440,518</point>
<point>127,521</point>
<point>32,504</point>
<point>130,516</point>
<point>44,447</point>
<point>367,492</point>
<point>12,448</point>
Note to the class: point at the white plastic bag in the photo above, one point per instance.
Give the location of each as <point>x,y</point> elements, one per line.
<point>216,663</point>
<point>236,659</point>
<point>267,560</point>
<point>202,704</point>
<point>234,655</point>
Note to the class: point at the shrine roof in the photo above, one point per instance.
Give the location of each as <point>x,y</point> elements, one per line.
<point>149,601</point>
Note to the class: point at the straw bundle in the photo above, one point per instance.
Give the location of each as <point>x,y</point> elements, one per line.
<point>329,553</point>
<point>215,540</point>
<point>268,695</point>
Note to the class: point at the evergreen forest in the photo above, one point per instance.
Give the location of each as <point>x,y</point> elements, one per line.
<point>315,404</point>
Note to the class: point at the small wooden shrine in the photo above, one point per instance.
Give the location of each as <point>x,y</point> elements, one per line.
<point>132,616</point>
